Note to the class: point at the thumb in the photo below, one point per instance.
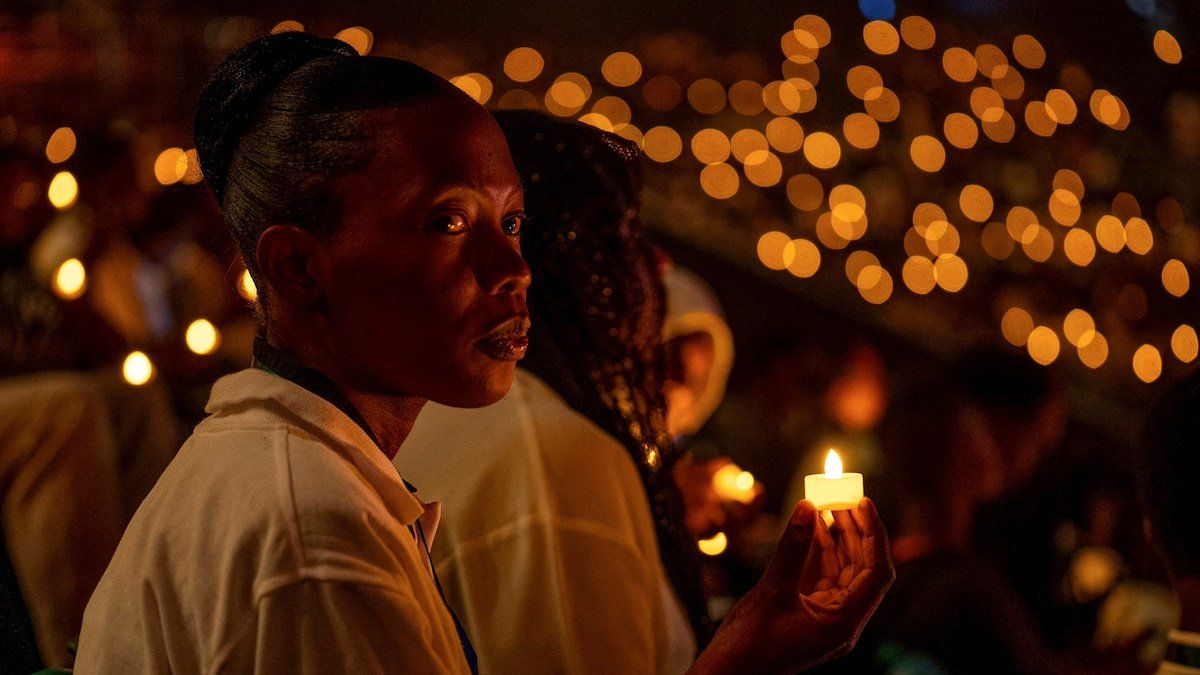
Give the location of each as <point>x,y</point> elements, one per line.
<point>792,551</point>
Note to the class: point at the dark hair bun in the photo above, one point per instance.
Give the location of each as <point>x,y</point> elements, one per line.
<point>243,81</point>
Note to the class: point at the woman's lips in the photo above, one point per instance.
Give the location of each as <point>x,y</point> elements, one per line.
<point>508,341</point>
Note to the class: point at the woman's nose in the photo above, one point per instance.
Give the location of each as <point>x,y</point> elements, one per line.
<point>502,269</point>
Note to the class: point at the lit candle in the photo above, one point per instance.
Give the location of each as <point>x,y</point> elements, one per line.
<point>734,485</point>
<point>833,490</point>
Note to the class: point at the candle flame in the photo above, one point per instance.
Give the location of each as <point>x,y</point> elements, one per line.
<point>833,464</point>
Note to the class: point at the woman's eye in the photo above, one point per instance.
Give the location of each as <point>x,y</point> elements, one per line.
<point>513,224</point>
<point>452,224</point>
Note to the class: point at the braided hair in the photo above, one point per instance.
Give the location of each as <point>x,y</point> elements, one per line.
<point>597,306</point>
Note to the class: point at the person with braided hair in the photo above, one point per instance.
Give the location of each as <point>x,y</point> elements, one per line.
<point>564,548</point>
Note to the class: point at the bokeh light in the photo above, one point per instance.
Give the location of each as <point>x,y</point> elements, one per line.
<point>70,279</point>
<point>170,166</point>
<point>61,145</point>
<point>202,337</point>
<point>1028,52</point>
<point>785,134</point>
<point>1166,47</point>
<point>1043,345</point>
<point>1184,343</point>
<point>524,64</point>
<point>1138,236</point>
<point>1079,327</point>
<point>960,131</point>
<point>707,96</point>
<point>1095,352</point>
<point>719,181</point>
<point>805,192</point>
<point>918,274</point>
<point>246,287</point>
<point>822,150</point>
<point>976,203</point>
<point>1175,277</point>
<point>1079,247</point>
<point>137,368</point>
<point>860,130</point>
<point>927,153</point>
<point>714,545</point>
<point>63,191</point>
<point>357,37</point>
<point>951,272</point>
<point>475,85</point>
<point>710,146</point>
<point>881,37</point>
<point>775,249</point>
<point>959,64</point>
<point>806,258</point>
<point>662,144</point>
<point>918,33</point>
<point>1147,363</point>
<point>746,97</point>
<point>1016,325</point>
<point>621,69</point>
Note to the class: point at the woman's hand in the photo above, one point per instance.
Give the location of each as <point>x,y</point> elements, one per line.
<point>814,598</point>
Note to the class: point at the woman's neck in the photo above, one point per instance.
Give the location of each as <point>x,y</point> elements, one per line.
<point>389,418</point>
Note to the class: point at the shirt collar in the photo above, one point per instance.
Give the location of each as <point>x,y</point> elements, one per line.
<point>276,361</point>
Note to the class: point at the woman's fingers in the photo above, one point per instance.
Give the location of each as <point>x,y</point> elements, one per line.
<point>849,536</point>
<point>876,552</point>
<point>867,587</point>
<point>792,552</point>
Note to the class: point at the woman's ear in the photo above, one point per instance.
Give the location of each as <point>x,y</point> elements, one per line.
<point>287,261</point>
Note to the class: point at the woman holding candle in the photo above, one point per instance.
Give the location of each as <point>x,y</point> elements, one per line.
<point>563,545</point>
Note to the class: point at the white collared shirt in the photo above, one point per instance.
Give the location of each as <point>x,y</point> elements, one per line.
<point>276,541</point>
<point>547,550</point>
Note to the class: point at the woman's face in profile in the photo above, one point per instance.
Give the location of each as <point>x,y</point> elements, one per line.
<point>425,280</point>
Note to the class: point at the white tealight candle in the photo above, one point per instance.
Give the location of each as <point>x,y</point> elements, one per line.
<point>833,490</point>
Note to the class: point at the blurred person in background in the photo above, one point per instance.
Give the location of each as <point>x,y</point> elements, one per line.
<point>950,611</point>
<point>1050,522</point>
<point>698,356</point>
<point>1168,473</point>
<point>60,488</point>
<point>564,544</point>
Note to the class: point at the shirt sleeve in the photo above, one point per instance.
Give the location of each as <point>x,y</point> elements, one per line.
<point>314,626</point>
<point>545,596</point>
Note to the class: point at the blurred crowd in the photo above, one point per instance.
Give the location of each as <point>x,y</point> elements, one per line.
<point>1012,510</point>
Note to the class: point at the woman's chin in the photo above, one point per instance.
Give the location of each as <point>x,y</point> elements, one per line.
<point>483,388</point>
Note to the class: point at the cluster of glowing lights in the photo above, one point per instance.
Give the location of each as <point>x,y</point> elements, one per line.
<point>757,155</point>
